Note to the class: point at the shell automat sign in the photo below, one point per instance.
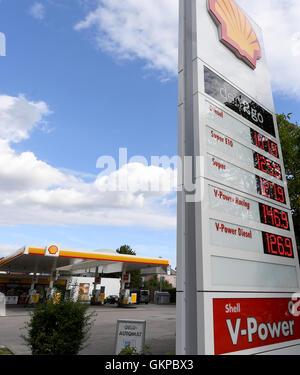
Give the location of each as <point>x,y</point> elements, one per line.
<point>236,30</point>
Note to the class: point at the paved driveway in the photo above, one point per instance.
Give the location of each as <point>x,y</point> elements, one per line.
<point>160,328</point>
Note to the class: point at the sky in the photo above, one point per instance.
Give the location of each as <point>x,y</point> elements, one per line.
<point>81,80</point>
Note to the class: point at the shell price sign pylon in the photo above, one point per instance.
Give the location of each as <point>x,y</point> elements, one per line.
<point>238,273</point>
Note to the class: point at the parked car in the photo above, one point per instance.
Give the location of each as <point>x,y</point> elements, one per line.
<point>112,299</point>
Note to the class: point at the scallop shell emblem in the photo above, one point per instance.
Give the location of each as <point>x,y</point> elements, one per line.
<point>53,249</point>
<point>236,30</point>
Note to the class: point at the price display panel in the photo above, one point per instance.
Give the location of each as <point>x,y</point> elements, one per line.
<point>224,141</point>
<point>270,190</point>
<point>264,143</point>
<point>243,154</point>
<point>238,237</point>
<point>232,126</point>
<point>233,204</point>
<point>277,245</point>
<point>274,217</point>
<point>232,98</point>
<point>222,170</point>
<point>267,166</point>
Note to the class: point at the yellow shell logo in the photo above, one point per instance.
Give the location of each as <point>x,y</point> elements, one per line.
<point>52,249</point>
<point>236,30</point>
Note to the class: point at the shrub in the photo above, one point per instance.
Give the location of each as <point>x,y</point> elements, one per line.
<point>5,351</point>
<point>130,350</point>
<point>58,329</point>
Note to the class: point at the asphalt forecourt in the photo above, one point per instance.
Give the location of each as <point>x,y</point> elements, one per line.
<point>100,348</point>
<point>159,335</point>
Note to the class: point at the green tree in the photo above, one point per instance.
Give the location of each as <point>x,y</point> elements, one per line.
<point>154,284</point>
<point>289,134</point>
<point>125,249</point>
<point>135,276</point>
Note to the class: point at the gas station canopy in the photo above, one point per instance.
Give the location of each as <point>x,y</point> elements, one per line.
<point>51,258</point>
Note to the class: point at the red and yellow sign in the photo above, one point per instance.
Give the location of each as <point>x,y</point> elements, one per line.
<point>249,323</point>
<point>236,31</point>
<point>53,249</point>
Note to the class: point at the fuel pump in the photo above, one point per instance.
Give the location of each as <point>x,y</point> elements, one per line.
<point>33,297</point>
<point>125,297</point>
<point>98,296</point>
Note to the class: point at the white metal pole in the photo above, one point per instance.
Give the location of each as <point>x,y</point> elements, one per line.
<point>186,335</point>
<point>2,305</point>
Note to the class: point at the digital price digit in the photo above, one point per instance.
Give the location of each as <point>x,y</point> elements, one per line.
<point>264,143</point>
<point>277,245</point>
<point>267,166</point>
<point>270,190</point>
<point>274,217</point>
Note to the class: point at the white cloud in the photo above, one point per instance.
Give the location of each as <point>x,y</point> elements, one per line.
<point>148,30</point>
<point>18,117</point>
<point>7,249</point>
<point>296,44</point>
<point>77,202</point>
<point>137,29</point>
<point>25,171</point>
<point>279,20</point>
<point>34,192</point>
<point>37,10</point>
<point>136,177</point>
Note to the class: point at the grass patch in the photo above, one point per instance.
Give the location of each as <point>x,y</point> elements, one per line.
<point>5,351</point>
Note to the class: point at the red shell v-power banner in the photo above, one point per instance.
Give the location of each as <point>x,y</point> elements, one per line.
<point>247,323</point>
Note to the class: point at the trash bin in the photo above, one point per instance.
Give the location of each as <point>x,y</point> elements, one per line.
<point>162,298</point>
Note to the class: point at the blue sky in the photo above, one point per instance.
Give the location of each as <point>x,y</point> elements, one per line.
<point>81,79</point>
